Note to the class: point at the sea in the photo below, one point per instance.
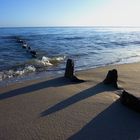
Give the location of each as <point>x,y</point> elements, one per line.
<point>89,47</point>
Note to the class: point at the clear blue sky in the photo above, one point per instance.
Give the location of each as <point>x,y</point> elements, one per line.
<point>69,13</point>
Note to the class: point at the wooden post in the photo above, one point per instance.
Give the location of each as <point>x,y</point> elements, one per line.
<point>69,71</point>
<point>111,78</point>
<point>130,101</point>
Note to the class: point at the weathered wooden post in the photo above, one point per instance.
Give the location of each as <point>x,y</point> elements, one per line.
<point>111,78</point>
<point>69,71</point>
<point>130,101</point>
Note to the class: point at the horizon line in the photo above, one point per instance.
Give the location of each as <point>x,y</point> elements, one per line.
<point>72,26</point>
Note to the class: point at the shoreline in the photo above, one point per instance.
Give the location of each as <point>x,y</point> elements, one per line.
<point>53,108</point>
<point>51,74</point>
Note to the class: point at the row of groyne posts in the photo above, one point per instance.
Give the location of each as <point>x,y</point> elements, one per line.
<point>111,79</point>
<point>26,46</point>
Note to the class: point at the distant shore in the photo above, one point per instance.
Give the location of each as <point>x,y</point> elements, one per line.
<point>53,108</point>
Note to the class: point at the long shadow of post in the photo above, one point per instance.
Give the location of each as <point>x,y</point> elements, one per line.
<point>61,81</point>
<point>78,97</point>
<point>115,123</point>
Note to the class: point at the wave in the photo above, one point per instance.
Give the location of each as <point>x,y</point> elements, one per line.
<point>119,43</point>
<point>135,42</point>
<point>14,73</point>
<point>126,43</point>
<point>128,59</point>
<point>36,64</point>
<point>71,38</point>
<point>124,60</point>
<point>31,66</point>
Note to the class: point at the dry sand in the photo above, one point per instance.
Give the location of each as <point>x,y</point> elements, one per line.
<point>55,109</point>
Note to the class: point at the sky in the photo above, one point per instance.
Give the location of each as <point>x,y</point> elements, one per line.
<point>36,13</point>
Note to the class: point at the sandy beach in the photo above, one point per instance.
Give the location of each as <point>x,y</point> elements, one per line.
<point>56,109</point>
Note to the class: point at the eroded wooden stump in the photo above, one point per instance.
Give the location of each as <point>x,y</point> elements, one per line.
<point>130,101</point>
<point>111,78</point>
<point>69,72</point>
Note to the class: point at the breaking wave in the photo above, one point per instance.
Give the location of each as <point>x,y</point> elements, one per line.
<point>35,65</point>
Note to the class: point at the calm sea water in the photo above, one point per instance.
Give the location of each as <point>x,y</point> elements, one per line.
<point>89,47</point>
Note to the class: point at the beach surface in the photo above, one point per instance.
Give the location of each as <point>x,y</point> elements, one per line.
<point>56,109</point>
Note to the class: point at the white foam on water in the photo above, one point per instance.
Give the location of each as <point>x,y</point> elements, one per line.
<point>34,65</point>
<point>45,61</point>
<point>29,69</point>
<point>59,58</point>
<point>14,73</point>
<point>19,72</point>
<point>1,74</point>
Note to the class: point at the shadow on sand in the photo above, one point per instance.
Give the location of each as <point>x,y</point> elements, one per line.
<point>115,123</point>
<point>78,97</point>
<point>57,82</point>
